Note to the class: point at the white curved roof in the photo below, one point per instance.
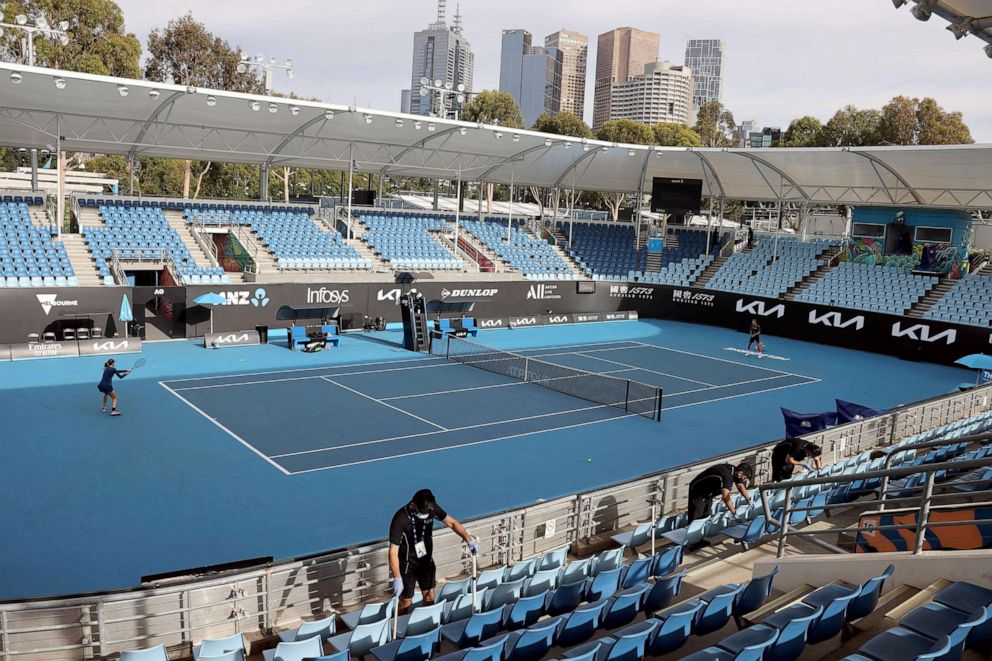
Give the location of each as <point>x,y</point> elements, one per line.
<point>177,122</point>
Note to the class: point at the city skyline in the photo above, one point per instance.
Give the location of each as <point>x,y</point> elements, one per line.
<point>824,70</point>
<point>621,54</point>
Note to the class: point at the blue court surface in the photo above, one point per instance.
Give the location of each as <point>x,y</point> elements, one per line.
<point>255,451</point>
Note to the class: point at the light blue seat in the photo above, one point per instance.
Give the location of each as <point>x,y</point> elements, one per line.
<point>462,607</point>
<point>420,620</point>
<point>580,625</point>
<point>235,655</point>
<point>676,626</point>
<point>295,651</point>
<point>469,632</point>
<point>362,638</point>
<point>524,611</point>
<point>217,646</point>
<point>324,628</point>
<point>628,644</point>
<point>541,581</point>
<point>369,614</point>
<point>608,560</point>
<point>520,571</point>
<point>150,654</point>
<point>690,535</point>
<point>577,570</point>
<point>552,559</point>
<point>667,560</point>
<point>602,585</point>
<point>418,647</point>
<point>452,589</point>
<point>491,651</point>
<point>751,644</point>
<point>662,592</point>
<point>745,534</point>
<point>639,536</point>
<point>489,578</point>
<point>624,606</point>
<point>636,573</point>
<point>503,594</point>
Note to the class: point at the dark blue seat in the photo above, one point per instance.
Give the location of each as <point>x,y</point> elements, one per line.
<point>791,633</point>
<point>937,620</point>
<point>718,610</point>
<point>492,651</point>
<point>566,598</point>
<point>532,643</point>
<point>602,585</point>
<point>753,596</point>
<point>636,573</point>
<point>418,647</point>
<point>749,644</point>
<point>667,560</point>
<point>746,533</point>
<point>580,625</point>
<point>624,606</point>
<point>524,611</point>
<point>676,626</point>
<point>833,599</point>
<point>867,599</point>
<point>662,592</point>
<point>964,596</point>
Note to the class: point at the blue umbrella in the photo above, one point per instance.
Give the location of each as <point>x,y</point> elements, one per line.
<point>210,298</point>
<point>125,314</point>
<point>977,361</point>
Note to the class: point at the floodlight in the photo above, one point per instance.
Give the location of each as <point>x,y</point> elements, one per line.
<point>962,27</point>
<point>255,105</point>
<point>568,145</point>
<point>461,87</point>
<point>899,3</point>
<point>460,98</point>
<point>924,9</point>
<point>464,130</point>
<point>399,123</point>
<point>42,23</point>
<point>122,90</point>
<point>1,16</point>
<point>15,78</point>
<point>329,114</point>
<point>606,149</point>
<point>498,134</point>
<point>60,83</point>
<point>295,110</point>
<point>259,58</point>
<point>547,142</point>
<point>417,125</point>
<point>245,57</point>
<point>273,107</point>
<point>438,83</point>
<point>211,101</point>
<point>430,126</point>
<point>423,91</point>
<point>516,137</point>
<point>64,40</point>
<point>153,94</point>
<point>272,59</point>
<point>289,74</point>
<point>289,62</point>
<point>21,19</point>
<point>447,86</point>
<point>368,118</point>
<point>425,81</point>
<point>242,68</point>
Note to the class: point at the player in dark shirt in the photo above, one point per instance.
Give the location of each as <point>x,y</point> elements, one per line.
<point>106,386</point>
<point>411,547</point>
<point>754,337</point>
<point>717,480</point>
<point>794,452</point>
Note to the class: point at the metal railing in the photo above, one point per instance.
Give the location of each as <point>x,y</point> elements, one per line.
<point>783,528</point>
<point>209,248</point>
<point>258,600</point>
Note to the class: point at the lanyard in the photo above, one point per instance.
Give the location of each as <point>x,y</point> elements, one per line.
<point>413,528</point>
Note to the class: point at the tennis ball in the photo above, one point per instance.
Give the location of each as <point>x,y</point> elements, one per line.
<point>589,460</point>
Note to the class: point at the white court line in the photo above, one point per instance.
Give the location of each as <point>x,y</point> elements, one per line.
<point>462,445</point>
<point>722,360</point>
<point>644,369</point>
<point>743,394</point>
<point>318,376</point>
<point>379,401</point>
<point>497,385</point>
<point>304,369</point>
<point>228,431</point>
<point>737,383</point>
<point>748,352</point>
<point>572,346</point>
<point>428,433</point>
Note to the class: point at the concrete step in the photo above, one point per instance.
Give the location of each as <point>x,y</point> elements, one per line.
<point>709,271</point>
<point>82,260</point>
<point>827,255</point>
<point>178,223</point>
<point>919,308</point>
<point>562,249</point>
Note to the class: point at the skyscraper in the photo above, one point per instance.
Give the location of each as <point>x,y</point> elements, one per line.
<point>440,53</point>
<point>705,58</point>
<point>574,49</point>
<point>531,74</point>
<point>621,54</point>
<point>663,93</point>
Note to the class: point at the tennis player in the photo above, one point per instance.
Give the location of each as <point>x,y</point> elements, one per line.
<point>107,385</point>
<point>411,547</point>
<point>755,337</point>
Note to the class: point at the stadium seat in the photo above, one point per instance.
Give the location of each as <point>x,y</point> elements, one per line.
<point>566,598</point>
<point>580,625</point>
<point>662,593</point>
<point>676,626</point>
<point>362,638</point>
<point>602,585</point>
<point>413,647</point>
<point>295,651</point>
<point>718,610</point>
<point>218,646</point>
<point>469,632</point>
<point>369,614</point>
<point>624,606</point>
<point>492,651</point>
<point>667,560</point>
<point>532,643</point>
<point>151,654</point>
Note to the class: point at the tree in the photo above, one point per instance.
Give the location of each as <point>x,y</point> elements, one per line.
<point>715,125</point>
<point>670,134</point>
<point>492,107</point>
<point>626,131</point>
<point>935,126</point>
<point>850,127</point>
<point>803,132</point>
<point>898,122</point>
<point>186,53</point>
<point>562,123</point>
<point>97,41</point>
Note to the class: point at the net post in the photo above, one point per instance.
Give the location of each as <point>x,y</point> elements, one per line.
<point>626,398</point>
<point>447,351</point>
<point>659,393</point>
<point>526,365</point>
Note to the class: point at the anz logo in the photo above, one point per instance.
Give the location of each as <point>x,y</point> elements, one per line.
<point>758,308</point>
<point>257,298</point>
<point>921,333</point>
<point>836,320</point>
<point>111,345</point>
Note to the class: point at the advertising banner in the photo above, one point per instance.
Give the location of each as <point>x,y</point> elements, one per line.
<point>114,345</point>
<point>54,309</point>
<point>31,350</point>
<point>243,338</point>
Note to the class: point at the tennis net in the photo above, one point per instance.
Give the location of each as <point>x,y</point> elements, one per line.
<point>624,394</point>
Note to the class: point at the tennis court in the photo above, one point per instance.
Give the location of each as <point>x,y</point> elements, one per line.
<point>431,404</point>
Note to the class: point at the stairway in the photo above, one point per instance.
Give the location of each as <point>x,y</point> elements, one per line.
<point>828,256</point>
<point>89,217</point>
<point>943,286</point>
<point>709,272</point>
<point>264,261</point>
<point>178,223</point>
<point>82,260</point>
<point>561,248</point>
<point>654,262</point>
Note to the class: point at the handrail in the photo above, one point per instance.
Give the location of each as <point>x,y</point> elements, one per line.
<point>196,226</point>
<point>930,470</point>
<point>974,438</point>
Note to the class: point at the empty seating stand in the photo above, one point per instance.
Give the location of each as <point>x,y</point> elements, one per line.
<point>140,232</point>
<point>679,274</point>
<point>969,301</point>
<point>771,268</point>
<point>533,257</point>
<point>406,242</point>
<point>29,257</point>
<point>290,234</point>
<point>605,250</point>
<point>885,289</point>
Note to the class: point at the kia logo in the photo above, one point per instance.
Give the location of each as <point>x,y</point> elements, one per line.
<point>110,345</point>
<point>758,308</point>
<point>490,323</point>
<point>558,319</point>
<point>392,295</point>
<point>921,332</point>
<point>232,338</point>
<point>836,320</point>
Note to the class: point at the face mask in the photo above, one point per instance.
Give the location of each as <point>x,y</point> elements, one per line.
<point>422,517</point>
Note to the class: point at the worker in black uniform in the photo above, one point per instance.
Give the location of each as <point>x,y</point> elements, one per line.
<point>411,547</point>
<point>717,480</point>
<point>792,452</point>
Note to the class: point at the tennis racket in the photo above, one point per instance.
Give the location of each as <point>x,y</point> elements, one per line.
<point>138,363</point>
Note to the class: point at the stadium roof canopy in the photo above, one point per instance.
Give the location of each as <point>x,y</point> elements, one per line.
<point>132,117</point>
<point>971,16</point>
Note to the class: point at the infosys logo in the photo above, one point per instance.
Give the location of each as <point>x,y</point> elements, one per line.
<point>468,293</point>
<point>49,301</point>
<point>325,295</point>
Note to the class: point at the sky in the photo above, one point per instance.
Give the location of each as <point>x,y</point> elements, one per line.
<point>783,58</point>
